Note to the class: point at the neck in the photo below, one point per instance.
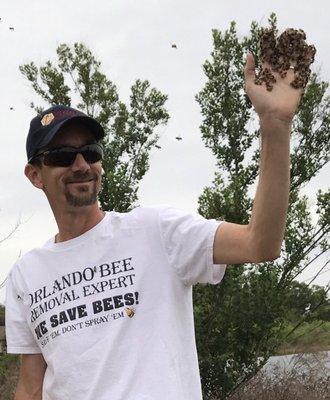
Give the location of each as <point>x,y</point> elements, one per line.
<point>75,222</point>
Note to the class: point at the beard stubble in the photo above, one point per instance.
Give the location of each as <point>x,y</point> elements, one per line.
<point>86,197</point>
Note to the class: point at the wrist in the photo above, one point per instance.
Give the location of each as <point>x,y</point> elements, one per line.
<point>270,122</point>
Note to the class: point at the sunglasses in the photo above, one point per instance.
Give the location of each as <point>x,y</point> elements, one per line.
<point>65,156</point>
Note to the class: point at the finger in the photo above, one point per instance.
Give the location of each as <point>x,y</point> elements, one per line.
<point>249,70</point>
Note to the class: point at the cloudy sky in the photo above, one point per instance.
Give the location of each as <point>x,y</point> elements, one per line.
<point>133,40</point>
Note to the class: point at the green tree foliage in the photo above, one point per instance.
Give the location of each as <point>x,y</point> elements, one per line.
<point>304,300</point>
<point>2,315</point>
<point>131,129</point>
<point>239,323</point>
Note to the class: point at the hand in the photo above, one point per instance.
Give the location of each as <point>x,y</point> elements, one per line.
<point>281,103</point>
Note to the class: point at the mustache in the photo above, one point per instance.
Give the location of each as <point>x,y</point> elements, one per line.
<point>81,177</point>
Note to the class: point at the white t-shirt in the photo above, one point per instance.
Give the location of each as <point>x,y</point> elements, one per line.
<point>111,310</point>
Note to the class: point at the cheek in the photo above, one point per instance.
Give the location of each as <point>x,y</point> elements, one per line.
<point>53,179</point>
<point>98,172</point>
<point>97,169</point>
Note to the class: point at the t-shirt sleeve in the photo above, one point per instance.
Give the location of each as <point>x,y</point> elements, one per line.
<point>188,242</point>
<point>19,337</point>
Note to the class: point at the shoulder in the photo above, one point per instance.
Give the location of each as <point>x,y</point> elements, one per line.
<point>150,209</point>
<point>28,258</point>
<point>142,214</point>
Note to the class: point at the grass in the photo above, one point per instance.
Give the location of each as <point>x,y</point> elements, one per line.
<point>308,338</point>
<point>306,381</point>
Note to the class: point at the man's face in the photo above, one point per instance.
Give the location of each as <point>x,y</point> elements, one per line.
<point>78,184</point>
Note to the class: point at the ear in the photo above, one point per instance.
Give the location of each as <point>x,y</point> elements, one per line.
<point>33,173</point>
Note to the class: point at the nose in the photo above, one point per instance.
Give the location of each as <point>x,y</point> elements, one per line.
<point>80,164</point>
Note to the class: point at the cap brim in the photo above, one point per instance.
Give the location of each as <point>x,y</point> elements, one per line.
<point>90,122</point>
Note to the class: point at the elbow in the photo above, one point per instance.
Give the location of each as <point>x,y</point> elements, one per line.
<point>264,252</point>
<point>268,257</point>
<point>273,257</point>
<point>264,256</point>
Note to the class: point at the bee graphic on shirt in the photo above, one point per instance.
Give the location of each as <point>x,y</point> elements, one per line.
<point>130,311</point>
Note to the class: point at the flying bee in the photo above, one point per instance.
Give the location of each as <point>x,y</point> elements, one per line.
<point>130,311</point>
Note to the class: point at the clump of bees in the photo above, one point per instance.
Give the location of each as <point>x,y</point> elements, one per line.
<point>288,51</point>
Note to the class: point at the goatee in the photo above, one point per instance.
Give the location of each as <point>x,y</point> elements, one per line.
<point>87,195</point>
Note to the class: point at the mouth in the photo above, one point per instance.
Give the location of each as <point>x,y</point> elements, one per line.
<point>80,182</point>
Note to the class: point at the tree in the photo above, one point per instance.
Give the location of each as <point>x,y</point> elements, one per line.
<point>2,315</point>
<point>239,323</point>
<point>131,131</point>
<point>302,299</point>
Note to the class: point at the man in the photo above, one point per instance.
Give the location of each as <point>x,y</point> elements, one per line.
<point>104,309</point>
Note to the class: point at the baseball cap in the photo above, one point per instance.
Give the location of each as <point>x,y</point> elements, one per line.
<point>44,127</point>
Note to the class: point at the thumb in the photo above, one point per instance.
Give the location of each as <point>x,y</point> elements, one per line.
<point>249,70</point>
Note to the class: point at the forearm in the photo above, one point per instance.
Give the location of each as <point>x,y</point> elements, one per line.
<point>272,196</point>
<point>27,393</point>
<point>32,373</point>
<point>21,394</point>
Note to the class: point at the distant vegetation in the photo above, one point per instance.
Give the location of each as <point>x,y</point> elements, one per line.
<point>309,337</point>
<point>2,315</point>
<point>9,372</point>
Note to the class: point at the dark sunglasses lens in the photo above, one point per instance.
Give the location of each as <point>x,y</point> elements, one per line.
<point>65,157</point>
<point>92,156</point>
<point>59,159</point>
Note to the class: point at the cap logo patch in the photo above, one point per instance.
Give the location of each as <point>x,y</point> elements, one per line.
<point>47,119</point>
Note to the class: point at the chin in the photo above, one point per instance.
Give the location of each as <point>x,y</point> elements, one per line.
<point>84,198</point>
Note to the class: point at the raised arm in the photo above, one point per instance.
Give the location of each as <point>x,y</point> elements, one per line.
<point>262,238</point>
